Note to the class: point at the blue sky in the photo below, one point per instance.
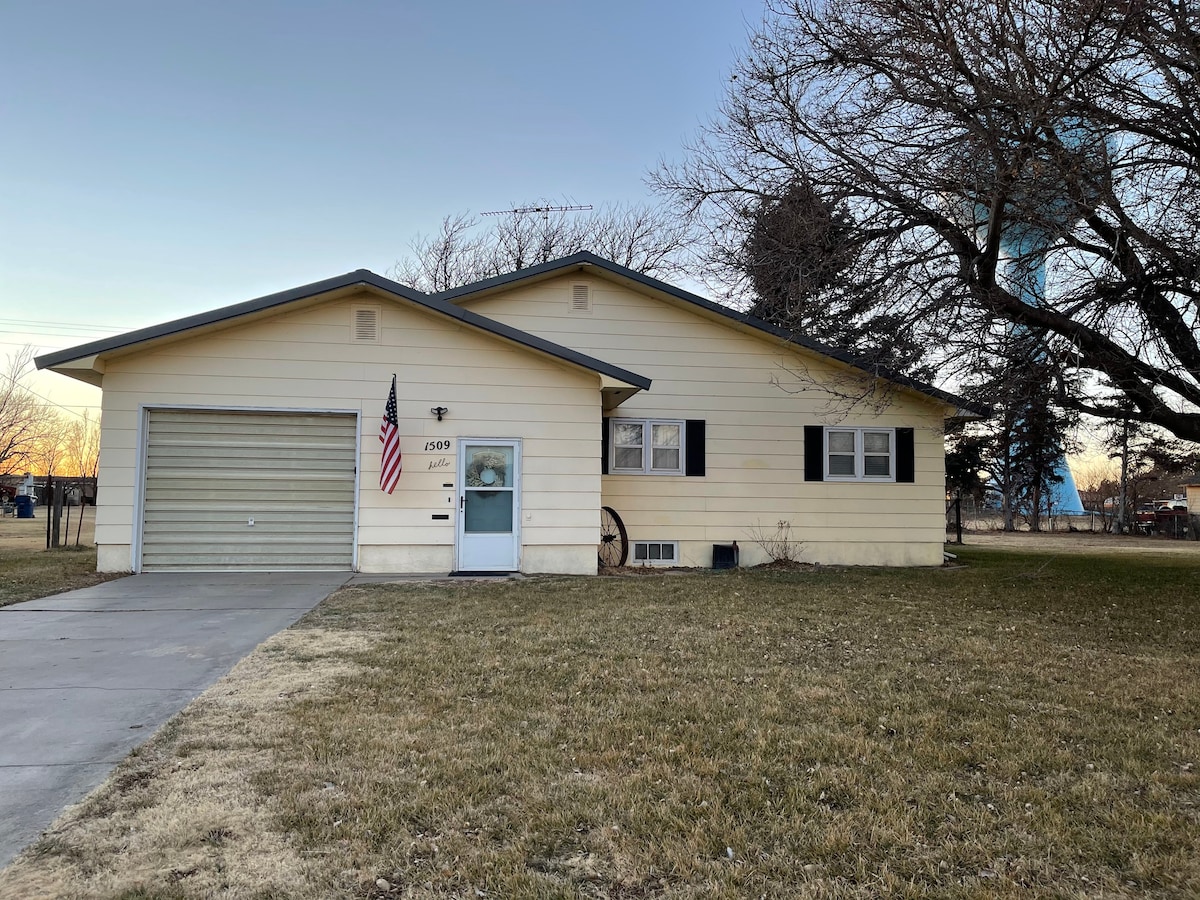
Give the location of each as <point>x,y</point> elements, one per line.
<point>161,158</point>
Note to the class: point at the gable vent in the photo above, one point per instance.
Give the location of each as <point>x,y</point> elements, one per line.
<point>364,325</point>
<point>581,298</point>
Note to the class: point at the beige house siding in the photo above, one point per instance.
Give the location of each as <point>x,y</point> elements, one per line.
<point>745,386</point>
<point>304,359</point>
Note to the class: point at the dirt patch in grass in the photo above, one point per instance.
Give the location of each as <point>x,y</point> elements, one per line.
<point>611,571</point>
<point>1026,725</point>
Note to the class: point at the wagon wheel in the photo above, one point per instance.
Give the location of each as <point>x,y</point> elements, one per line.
<point>614,542</point>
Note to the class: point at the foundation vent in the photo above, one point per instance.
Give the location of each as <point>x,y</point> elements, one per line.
<point>655,553</point>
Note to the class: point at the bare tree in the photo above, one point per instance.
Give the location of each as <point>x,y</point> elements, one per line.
<point>48,454</point>
<point>82,461</point>
<point>468,249</point>
<point>1099,481</point>
<point>81,447</point>
<point>24,417</point>
<point>975,146</point>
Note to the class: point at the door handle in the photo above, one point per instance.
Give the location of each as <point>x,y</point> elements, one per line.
<point>461,500</point>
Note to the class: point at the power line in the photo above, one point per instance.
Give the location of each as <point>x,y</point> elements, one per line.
<point>68,409</point>
<point>55,345</point>
<point>40,334</point>
<point>76,326</point>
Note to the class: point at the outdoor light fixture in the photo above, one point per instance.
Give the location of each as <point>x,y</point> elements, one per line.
<point>439,411</point>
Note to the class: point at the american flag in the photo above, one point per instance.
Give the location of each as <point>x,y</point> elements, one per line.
<point>389,436</point>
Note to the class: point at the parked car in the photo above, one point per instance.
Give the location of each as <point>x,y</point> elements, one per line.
<point>1166,517</point>
<point>1144,518</point>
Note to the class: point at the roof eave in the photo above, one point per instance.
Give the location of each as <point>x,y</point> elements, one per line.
<point>215,317</point>
<point>85,362</point>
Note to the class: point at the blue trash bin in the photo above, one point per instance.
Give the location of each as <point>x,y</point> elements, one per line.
<point>24,506</point>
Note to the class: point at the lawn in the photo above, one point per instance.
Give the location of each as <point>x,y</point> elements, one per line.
<point>30,574</point>
<point>29,571</point>
<point>1022,725</point>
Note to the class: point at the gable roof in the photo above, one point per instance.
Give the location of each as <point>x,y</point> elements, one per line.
<point>358,278</point>
<point>584,261</point>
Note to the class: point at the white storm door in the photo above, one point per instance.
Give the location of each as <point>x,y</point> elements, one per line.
<point>489,501</point>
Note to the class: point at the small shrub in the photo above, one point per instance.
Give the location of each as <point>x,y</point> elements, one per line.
<point>779,544</point>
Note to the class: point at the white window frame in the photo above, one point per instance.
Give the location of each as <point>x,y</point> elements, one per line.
<point>674,561</point>
<point>646,467</point>
<point>860,453</point>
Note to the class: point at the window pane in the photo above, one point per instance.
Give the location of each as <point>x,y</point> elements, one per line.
<point>666,435</point>
<point>628,458</point>
<point>668,551</point>
<point>665,459</point>
<point>877,466</point>
<point>656,551</point>
<point>841,465</point>
<point>841,442</point>
<point>639,551</point>
<point>628,435</point>
<point>489,466</point>
<point>877,442</point>
<point>488,512</point>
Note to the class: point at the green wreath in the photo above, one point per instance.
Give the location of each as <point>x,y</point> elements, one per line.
<point>487,470</point>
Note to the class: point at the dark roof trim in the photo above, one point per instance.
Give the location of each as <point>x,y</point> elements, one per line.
<point>211,317</point>
<point>350,279</point>
<point>583,260</point>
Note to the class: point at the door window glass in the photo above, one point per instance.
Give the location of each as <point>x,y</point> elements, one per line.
<point>488,512</point>
<point>489,467</point>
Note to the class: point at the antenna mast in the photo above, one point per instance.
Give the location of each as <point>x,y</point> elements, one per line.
<point>544,210</point>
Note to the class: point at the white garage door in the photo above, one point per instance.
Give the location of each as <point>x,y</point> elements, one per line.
<point>263,491</point>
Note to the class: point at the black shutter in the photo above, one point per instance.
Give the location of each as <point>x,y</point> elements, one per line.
<point>814,453</point>
<point>906,461</point>
<point>603,446</point>
<point>693,441</point>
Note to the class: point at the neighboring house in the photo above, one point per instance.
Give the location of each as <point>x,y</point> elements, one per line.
<point>248,437</point>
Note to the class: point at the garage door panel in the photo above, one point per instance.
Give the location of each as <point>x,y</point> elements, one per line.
<point>239,558</point>
<point>264,531</point>
<point>222,512</point>
<point>279,545</point>
<point>185,451</point>
<point>282,489</point>
<point>210,473</point>
<point>184,420</point>
<point>282,461</point>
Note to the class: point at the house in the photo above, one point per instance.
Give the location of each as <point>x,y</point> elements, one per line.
<point>529,406</point>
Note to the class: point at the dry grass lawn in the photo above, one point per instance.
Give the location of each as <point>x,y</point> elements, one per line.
<point>1028,725</point>
<point>30,534</point>
<point>29,571</point>
<point>1084,542</point>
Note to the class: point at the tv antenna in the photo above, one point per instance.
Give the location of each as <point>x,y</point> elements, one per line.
<point>544,210</point>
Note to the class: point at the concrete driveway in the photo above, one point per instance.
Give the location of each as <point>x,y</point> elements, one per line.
<point>88,675</point>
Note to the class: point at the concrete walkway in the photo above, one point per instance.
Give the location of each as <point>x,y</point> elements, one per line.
<point>88,675</point>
